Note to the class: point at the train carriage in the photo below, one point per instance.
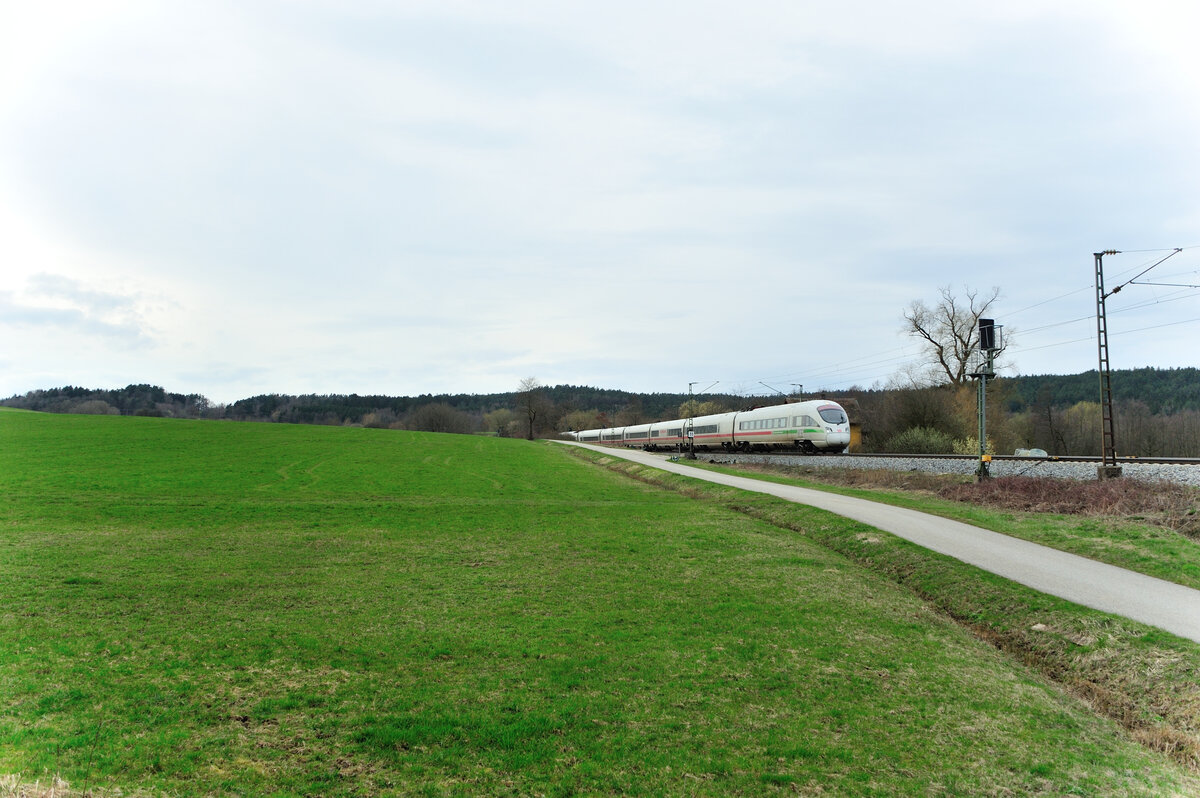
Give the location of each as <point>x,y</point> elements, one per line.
<point>820,425</point>
<point>637,436</point>
<point>668,435</point>
<point>813,426</point>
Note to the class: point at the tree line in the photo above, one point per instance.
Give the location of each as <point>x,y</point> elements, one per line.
<point>1157,411</point>
<point>132,400</point>
<point>532,409</point>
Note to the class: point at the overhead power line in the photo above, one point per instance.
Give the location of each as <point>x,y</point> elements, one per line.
<point>1060,343</point>
<point>1174,252</point>
<point>1159,326</point>
<point>1048,301</point>
<point>1114,335</point>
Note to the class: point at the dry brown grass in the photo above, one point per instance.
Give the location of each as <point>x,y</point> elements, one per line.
<point>1176,507</point>
<point>14,786</point>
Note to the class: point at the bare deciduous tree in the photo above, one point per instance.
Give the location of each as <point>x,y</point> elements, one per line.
<point>950,332</point>
<point>531,403</point>
<point>582,419</point>
<point>631,413</point>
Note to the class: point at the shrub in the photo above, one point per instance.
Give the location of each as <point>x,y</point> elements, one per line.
<point>94,407</point>
<point>970,446</point>
<point>920,440</point>
<point>440,417</point>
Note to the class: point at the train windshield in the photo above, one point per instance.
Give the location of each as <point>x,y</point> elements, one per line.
<point>832,415</point>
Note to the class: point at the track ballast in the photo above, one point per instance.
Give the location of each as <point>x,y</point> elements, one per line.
<point>1182,470</point>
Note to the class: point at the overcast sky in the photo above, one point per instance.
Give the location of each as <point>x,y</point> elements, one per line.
<point>235,198</point>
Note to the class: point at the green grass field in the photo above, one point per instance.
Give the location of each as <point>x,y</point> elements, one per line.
<point>199,608</point>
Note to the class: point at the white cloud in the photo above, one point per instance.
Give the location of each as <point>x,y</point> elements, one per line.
<point>450,196</point>
<point>52,303</point>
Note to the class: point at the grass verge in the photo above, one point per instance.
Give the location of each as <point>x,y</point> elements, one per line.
<point>1145,679</point>
<point>1145,527</point>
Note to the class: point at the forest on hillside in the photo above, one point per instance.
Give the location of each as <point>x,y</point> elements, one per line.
<point>1157,411</point>
<point>1161,390</point>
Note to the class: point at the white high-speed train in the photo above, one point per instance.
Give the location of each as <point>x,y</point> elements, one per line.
<point>814,426</point>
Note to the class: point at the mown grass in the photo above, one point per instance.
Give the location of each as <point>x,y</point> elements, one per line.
<point>205,608</point>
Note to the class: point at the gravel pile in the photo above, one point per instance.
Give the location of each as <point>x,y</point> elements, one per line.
<point>1151,472</point>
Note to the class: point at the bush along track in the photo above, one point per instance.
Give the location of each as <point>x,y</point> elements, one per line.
<point>1145,679</point>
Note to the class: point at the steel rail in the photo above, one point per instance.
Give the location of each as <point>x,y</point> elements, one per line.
<point>1064,458</point>
<point>1009,457</point>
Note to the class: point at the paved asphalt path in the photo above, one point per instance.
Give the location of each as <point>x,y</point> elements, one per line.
<point>1093,584</point>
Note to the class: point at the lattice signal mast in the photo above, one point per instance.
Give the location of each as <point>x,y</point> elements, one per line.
<point>990,342</point>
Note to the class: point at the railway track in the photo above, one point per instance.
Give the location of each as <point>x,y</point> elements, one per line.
<point>848,457</point>
<point>1024,458</point>
<point>1170,469</point>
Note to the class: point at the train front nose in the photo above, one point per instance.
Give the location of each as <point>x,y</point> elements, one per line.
<point>837,439</point>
